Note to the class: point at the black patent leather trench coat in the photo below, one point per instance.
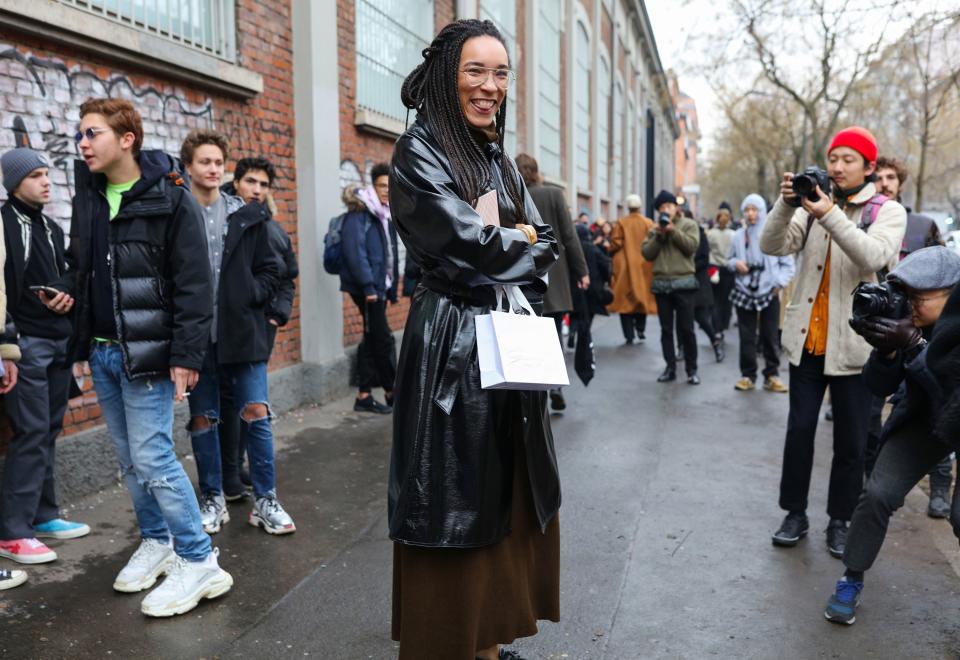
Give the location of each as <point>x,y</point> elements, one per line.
<point>451,467</point>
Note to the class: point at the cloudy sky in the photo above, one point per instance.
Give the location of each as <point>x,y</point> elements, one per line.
<point>672,28</point>
<point>679,24</point>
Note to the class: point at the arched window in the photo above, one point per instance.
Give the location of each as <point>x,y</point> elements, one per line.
<point>503,13</point>
<point>582,102</point>
<point>603,128</point>
<point>391,34</point>
<point>548,68</point>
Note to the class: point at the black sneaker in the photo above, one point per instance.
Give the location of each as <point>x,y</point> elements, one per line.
<point>837,538</point>
<point>239,496</point>
<point>693,379</point>
<point>793,528</point>
<point>719,351</point>
<point>669,374</point>
<point>371,405</point>
<point>843,604</point>
<point>556,400</point>
<point>509,655</point>
<point>628,342</point>
<point>939,506</point>
<point>641,337</point>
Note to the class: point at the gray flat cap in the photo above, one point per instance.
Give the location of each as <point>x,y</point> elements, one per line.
<point>17,164</point>
<point>934,267</point>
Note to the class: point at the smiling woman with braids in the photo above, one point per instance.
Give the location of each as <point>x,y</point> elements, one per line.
<point>474,489</point>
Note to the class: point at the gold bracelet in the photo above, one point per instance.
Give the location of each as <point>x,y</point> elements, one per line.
<point>531,234</point>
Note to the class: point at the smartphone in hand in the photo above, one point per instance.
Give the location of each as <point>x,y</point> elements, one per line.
<point>49,290</point>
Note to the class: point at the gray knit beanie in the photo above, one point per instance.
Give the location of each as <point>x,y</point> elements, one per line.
<point>935,267</point>
<point>17,164</point>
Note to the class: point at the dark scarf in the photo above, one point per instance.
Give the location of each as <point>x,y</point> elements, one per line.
<point>486,135</point>
<point>843,196</point>
<point>31,212</point>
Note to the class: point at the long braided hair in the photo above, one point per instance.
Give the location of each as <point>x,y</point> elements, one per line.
<point>432,90</point>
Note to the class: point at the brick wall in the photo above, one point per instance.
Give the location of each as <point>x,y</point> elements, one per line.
<point>360,149</point>
<point>42,85</point>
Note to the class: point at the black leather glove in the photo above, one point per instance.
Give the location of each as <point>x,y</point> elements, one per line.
<point>890,335</point>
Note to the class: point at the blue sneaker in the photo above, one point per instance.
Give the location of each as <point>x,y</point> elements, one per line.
<point>842,606</point>
<point>58,528</point>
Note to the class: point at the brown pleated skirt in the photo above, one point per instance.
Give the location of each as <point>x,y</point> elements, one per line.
<point>449,603</point>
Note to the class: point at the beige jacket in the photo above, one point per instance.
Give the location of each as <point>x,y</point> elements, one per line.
<point>7,351</point>
<point>856,256</point>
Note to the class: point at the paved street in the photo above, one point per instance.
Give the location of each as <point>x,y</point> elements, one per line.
<point>669,502</point>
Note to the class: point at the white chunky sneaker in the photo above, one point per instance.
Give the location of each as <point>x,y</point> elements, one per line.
<point>213,512</point>
<point>151,560</point>
<point>11,579</point>
<point>268,513</point>
<point>186,584</point>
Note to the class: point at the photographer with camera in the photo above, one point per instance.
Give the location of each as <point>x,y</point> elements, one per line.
<point>756,297</point>
<point>922,232</point>
<point>845,234</point>
<point>671,246</point>
<point>897,319</point>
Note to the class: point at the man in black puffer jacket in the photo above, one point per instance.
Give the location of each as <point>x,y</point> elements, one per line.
<point>137,269</point>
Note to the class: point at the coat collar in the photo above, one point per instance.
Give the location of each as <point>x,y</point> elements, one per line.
<point>865,195</point>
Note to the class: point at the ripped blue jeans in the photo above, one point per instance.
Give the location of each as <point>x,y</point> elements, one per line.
<point>139,416</point>
<point>247,383</point>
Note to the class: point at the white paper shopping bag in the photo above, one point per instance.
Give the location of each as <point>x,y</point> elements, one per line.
<point>519,351</point>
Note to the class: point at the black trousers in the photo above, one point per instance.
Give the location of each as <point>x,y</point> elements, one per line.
<point>704,318</point>
<point>633,325</point>
<point>675,309</point>
<point>910,452</point>
<point>941,476</point>
<point>851,415</point>
<point>376,363</point>
<point>722,305</point>
<point>761,327</point>
<point>35,408</point>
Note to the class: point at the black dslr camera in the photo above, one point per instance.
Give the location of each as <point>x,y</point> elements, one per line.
<point>883,300</point>
<point>805,184</point>
<point>663,219</point>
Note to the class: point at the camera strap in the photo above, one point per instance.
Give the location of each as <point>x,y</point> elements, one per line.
<point>810,221</point>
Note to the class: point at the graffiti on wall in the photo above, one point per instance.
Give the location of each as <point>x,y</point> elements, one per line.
<point>40,108</point>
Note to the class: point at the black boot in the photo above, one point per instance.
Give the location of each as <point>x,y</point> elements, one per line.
<point>718,350</point>
<point>669,374</point>
<point>837,538</point>
<point>939,506</point>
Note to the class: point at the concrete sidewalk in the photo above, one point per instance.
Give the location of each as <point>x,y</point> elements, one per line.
<point>669,502</point>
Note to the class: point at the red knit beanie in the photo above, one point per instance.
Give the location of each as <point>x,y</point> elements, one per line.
<point>857,138</point>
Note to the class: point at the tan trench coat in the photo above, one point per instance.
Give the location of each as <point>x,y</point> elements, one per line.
<point>632,274</point>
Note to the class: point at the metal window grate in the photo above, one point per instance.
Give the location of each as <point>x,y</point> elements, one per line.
<point>549,71</point>
<point>582,108</point>
<point>391,34</point>
<point>207,25</point>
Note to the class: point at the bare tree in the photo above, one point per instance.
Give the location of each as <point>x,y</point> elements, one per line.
<point>935,83</point>
<point>832,66</point>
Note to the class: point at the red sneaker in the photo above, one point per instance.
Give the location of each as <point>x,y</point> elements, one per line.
<point>27,551</point>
